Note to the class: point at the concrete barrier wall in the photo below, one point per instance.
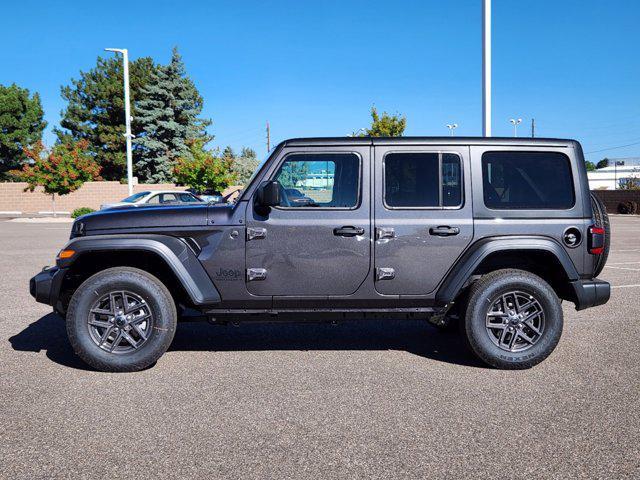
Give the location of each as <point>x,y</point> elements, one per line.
<point>613,198</point>
<point>14,200</point>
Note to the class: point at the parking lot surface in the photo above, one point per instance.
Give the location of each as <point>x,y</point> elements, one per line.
<point>383,399</point>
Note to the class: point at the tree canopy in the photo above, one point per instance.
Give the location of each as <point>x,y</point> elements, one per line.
<point>21,125</point>
<point>60,170</point>
<point>95,110</point>
<point>203,169</point>
<point>386,125</point>
<point>168,116</point>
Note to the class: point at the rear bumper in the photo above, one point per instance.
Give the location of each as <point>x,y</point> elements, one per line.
<point>45,286</point>
<point>591,293</point>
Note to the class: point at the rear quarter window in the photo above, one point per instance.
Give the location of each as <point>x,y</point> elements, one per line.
<point>527,180</point>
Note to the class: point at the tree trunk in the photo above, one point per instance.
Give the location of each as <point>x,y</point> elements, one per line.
<point>53,204</point>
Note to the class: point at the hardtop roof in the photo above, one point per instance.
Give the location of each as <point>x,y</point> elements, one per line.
<point>496,141</point>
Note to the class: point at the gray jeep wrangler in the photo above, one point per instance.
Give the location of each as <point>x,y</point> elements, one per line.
<point>490,234</point>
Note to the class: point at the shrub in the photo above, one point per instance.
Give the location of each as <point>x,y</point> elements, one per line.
<point>629,208</point>
<point>78,212</point>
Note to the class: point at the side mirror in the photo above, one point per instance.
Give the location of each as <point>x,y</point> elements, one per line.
<point>268,194</point>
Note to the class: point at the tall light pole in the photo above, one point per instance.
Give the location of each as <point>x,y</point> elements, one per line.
<point>515,124</point>
<point>486,68</point>
<point>452,127</point>
<point>127,114</point>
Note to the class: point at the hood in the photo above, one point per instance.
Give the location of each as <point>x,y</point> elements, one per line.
<point>156,218</point>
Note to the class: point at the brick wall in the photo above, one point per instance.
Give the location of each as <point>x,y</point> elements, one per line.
<point>613,198</point>
<point>91,194</point>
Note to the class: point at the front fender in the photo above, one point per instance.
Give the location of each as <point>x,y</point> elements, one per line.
<point>177,255</point>
<point>476,253</point>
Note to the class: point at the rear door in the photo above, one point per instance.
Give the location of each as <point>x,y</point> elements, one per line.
<point>317,242</point>
<point>422,213</point>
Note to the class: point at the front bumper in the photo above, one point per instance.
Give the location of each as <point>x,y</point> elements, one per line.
<point>45,286</point>
<point>591,293</point>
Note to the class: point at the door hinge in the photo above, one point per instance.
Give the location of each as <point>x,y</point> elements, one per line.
<point>254,274</point>
<point>385,273</point>
<point>385,232</point>
<point>256,233</point>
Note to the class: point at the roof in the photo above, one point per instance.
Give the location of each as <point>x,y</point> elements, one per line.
<point>506,141</point>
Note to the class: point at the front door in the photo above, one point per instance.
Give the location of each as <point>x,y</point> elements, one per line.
<point>423,215</point>
<point>317,242</point>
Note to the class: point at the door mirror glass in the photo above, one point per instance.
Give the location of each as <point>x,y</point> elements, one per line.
<point>268,194</point>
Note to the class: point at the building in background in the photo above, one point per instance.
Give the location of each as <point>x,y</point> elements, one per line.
<point>610,177</point>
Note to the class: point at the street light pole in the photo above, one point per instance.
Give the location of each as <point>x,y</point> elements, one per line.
<point>452,127</point>
<point>515,124</point>
<point>127,114</point>
<point>486,68</point>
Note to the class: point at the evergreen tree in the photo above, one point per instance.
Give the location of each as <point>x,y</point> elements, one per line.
<point>21,125</point>
<point>95,110</point>
<point>168,117</point>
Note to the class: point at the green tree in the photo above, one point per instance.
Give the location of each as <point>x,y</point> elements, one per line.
<point>61,170</point>
<point>293,173</point>
<point>95,110</point>
<point>245,165</point>
<point>603,163</point>
<point>590,166</point>
<point>169,118</point>
<point>21,125</point>
<point>386,125</point>
<point>202,169</point>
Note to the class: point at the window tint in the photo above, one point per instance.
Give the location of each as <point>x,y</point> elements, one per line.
<point>422,180</point>
<point>187,198</point>
<point>319,180</point>
<point>527,180</point>
<point>154,199</point>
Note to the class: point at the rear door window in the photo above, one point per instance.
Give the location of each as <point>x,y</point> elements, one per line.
<point>422,180</point>
<point>527,180</point>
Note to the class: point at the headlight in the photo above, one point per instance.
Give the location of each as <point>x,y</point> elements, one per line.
<point>77,230</point>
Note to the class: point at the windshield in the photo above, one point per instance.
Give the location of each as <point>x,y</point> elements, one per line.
<point>135,197</point>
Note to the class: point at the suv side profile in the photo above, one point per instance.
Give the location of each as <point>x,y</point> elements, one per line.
<point>490,234</point>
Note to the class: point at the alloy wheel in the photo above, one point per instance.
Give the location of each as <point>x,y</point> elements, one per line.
<point>120,322</point>
<point>515,321</point>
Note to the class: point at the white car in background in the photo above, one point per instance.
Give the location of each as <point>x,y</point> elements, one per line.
<point>155,198</point>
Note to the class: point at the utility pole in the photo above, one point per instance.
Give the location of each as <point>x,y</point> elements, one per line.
<point>127,114</point>
<point>486,68</point>
<point>268,138</point>
<point>533,128</point>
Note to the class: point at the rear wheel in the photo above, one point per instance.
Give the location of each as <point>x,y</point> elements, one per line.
<point>602,220</point>
<point>513,320</point>
<point>121,320</point>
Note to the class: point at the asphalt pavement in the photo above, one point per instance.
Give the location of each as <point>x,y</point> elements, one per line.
<point>366,399</point>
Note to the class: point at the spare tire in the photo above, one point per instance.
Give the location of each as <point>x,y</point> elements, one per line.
<point>601,219</point>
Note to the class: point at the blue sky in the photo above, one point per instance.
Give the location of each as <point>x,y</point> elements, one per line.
<point>315,68</point>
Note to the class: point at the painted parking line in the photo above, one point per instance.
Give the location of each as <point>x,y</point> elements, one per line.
<point>623,268</point>
<point>624,286</point>
<point>621,263</point>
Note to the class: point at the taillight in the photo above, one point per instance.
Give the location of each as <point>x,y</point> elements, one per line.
<point>596,240</point>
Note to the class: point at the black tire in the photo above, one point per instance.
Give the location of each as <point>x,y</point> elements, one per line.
<point>601,218</point>
<point>161,326</point>
<point>490,289</point>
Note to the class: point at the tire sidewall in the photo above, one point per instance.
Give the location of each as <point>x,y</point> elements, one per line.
<point>159,302</point>
<point>483,299</point>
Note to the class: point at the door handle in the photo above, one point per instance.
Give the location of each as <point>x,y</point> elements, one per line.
<point>348,231</point>
<point>444,231</point>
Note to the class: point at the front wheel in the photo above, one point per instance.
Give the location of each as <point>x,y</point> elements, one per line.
<point>514,319</point>
<point>121,320</point>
